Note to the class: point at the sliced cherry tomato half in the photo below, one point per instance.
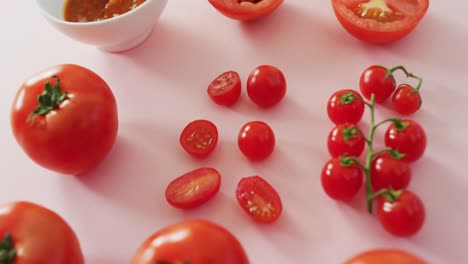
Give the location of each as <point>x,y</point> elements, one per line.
<point>385,256</point>
<point>379,21</point>
<point>406,100</point>
<point>225,89</point>
<point>345,106</point>
<point>246,10</point>
<point>374,80</point>
<point>256,140</point>
<point>259,199</point>
<point>199,138</point>
<point>193,188</point>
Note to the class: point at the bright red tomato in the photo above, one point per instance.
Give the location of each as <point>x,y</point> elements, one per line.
<point>225,89</point>
<point>192,241</point>
<point>379,21</point>
<point>341,181</point>
<point>374,81</point>
<point>385,256</point>
<point>406,100</point>
<point>199,138</point>
<point>345,106</point>
<point>32,233</point>
<point>193,188</point>
<point>389,172</point>
<point>402,217</point>
<point>345,139</point>
<point>408,137</point>
<point>266,86</point>
<point>246,10</point>
<point>256,140</point>
<point>259,199</point>
<point>67,123</point>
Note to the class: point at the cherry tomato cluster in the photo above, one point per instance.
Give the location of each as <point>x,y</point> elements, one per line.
<point>386,172</point>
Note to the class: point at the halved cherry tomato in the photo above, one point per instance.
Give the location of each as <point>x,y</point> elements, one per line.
<point>259,199</point>
<point>225,89</point>
<point>389,172</point>
<point>345,106</point>
<point>345,139</point>
<point>385,256</point>
<point>246,10</point>
<point>374,80</point>
<point>408,137</point>
<point>379,21</point>
<point>193,188</point>
<point>191,242</point>
<point>406,100</point>
<point>266,86</point>
<point>199,138</point>
<point>341,180</point>
<point>256,140</point>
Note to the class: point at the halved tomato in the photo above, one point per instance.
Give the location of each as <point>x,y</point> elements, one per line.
<point>199,138</point>
<point>245,10</point>
<point>379,21</point>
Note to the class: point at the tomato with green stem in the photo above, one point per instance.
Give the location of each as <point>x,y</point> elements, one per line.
<point>345,139</point>
<point>266,86</point>
<point>408,137</point>
<point>225,89</point>
<point>341,178</point>
<point>256,140</point>
<point>345,106</point>
<point>389,171</point>
<point>406,100</point>
<point>199,138</point>
<point>246,10</point>
<point>377,80</point>
<point>385,256</point>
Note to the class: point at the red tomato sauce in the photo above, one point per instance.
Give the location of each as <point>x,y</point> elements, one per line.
<point>96,10</point>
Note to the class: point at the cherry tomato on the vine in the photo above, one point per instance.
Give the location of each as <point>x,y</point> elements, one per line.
<point>259,199</point>
<point>385,256</point>
<point>225,89</point>
<point>341,180</point>
<point>256,140</point>
<point>389,172</point>
<point>246,10</point>
<point>266,86</point>
<point>402,217</point>
<point>345,106</point>
<point>374,80</point>
<point>345,139</point>
<point>199,138</point>
<point>408,137</point>
<point>406,100</point>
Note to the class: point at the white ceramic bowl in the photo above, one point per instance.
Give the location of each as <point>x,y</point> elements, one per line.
<point>113,35</point>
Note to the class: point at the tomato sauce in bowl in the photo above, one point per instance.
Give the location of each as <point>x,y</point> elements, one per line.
<point>96,10</point>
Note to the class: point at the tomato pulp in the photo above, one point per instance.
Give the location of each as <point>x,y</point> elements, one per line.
<point>246,10</point>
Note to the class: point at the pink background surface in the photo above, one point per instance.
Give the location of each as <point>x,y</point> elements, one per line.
<point>161,86</point>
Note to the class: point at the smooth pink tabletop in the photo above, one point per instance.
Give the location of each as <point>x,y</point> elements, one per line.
<point>160,86</point>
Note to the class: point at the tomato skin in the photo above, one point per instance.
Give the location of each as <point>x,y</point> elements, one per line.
<point>259,199</point>
<point>245,11</point>
<point>403,217</point>
<point>39,234</point>
<point>199,138</point>
<point>193,188</point>
<point>225,89</point>
<point>411,140</point>
<point>340,182</point>
<point>266,86</point>
<point>256,140</point>
<point>385,256</point>
<point>338,145</point>
<point>406,100</point>
<point>199,241</point>
<point>388,172</point>
<point>373,81</point>
<point>78,135</point>
<point>349,112</point>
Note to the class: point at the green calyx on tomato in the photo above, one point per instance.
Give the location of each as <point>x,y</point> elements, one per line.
<point>50,98</point>
<point>172,262</point>
<point>347,98</point>
<point>349,132</point>
<point>7,250</point>
<point>392,195</point>
<point>399,124</point>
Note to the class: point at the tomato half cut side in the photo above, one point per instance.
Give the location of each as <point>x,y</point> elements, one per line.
<point>379,21</point>
<point>259,199</point>
<point>225,89</point>
<point>199,138</point>
<point>193,188</point>
<point>246,10</point>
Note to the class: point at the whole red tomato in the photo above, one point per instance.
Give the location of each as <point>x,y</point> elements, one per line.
<point>65,119</point>
<point>345,106</point>
<point>408,137</point>
<point>406,100</point>
<point>341,179</point>
<point>374,80</point>
<point>345,139</point>
<point>385,256</point>
<point>266,86</point>
<point>32,233</point>
<point>256,140</point>
<point>389,172</point>
<point>246,10</point>
<point>194,242</point>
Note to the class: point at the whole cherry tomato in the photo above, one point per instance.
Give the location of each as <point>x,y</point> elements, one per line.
<point>192,241</point>
<point>193,188</point>
<point>408,137</point>
<point>389,172</point>
<point>246,10</point>
<point>341,179</point>
<point>406,100</point>
<point>256,140</point>
<point>345,139</point>
<point>65,119</point>
<point>199,138</point>
<point>259,199</point>
<point>385,256</point>
<point>266,86</point>
<point>401,213</point>
<point>374,80</point>
<point>345,106</point>
<point>32,233</point>
<point>225,89</point>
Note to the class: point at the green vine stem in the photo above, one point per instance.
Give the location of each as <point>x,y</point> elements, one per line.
<point>408,74</point>
<point>370,154</point>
